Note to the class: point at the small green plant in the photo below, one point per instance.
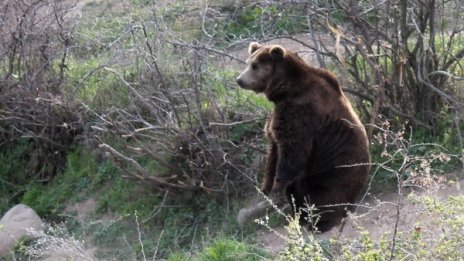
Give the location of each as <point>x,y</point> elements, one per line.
<point>299,243</point>
<point>178,256</point>
<point>223,249</point>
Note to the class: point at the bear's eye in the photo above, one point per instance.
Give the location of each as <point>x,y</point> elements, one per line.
<point>254,66</point>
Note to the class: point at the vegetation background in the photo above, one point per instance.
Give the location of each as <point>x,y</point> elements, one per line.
<point>122,126</point>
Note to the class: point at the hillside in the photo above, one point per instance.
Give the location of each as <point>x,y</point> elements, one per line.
<point>122,126</point>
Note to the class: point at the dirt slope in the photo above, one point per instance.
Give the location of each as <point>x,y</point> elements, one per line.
<point>377,215</point>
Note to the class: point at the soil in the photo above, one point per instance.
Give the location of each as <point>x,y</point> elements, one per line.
<point>377,214</point>
<point>82,209</point>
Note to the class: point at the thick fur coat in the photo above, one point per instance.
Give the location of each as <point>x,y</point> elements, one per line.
<point>319,150</point>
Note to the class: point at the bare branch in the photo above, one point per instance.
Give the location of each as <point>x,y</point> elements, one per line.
<point>142,173</point>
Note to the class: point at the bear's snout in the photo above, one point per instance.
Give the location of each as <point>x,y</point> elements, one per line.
<point>239,81</point>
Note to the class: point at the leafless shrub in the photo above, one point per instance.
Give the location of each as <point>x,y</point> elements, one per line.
<point>415,165</point>
<point>45,121</point>
<point>34,42</point>
<point>174,133</point>
<point>412,169</point>
<point>404,57</point>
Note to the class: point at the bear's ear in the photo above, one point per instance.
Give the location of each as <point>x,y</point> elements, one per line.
<point>253,47</point>
<point>278,52</point>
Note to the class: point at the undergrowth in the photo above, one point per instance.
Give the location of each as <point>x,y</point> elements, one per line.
<point>181,223</point>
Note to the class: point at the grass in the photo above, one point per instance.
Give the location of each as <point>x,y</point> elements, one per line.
<point>224,249</point>
<point>82,176</point>
<point>181,222</point>
<point>252,21</point>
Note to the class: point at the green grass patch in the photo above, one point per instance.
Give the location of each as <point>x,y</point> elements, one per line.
<point>93,84</point>
<point>251,21</point>
<point>228,94</point>
<point>82,176</point>
<point>224,249</point>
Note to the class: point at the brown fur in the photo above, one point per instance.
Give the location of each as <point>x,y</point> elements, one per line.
<point>313,133</point>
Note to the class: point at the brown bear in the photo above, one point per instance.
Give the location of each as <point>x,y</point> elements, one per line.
<point>319,150</point>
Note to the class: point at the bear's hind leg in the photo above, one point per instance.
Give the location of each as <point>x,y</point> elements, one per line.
<point>331,208</point>
<point>327,213</point>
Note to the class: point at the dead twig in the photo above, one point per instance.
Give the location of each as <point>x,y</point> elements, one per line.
<point>142,173</point>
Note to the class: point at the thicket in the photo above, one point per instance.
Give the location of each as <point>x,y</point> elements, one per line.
<point>149,90</point>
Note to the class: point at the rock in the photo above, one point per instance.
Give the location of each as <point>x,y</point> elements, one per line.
<point>14,227</point>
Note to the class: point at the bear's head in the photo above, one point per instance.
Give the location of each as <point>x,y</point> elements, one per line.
<point>262,64</point>
<point>282,74</point>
